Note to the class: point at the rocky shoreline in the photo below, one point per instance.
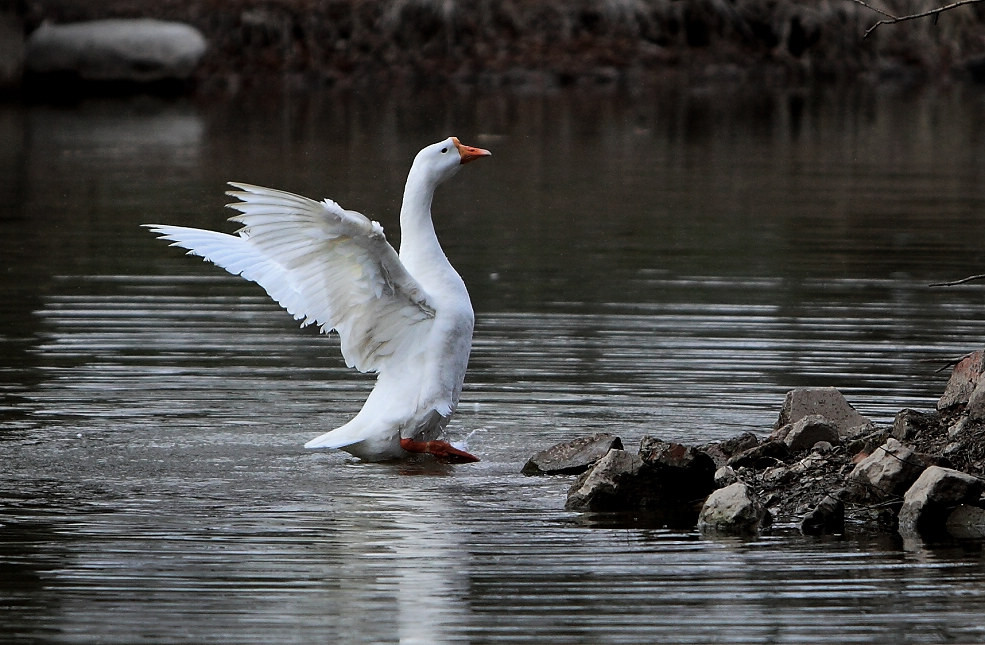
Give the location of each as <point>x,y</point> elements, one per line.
<point>824,468</point>
<point>533,45</point>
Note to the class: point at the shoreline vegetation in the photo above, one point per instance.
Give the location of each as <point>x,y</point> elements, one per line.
<point>540,46</point>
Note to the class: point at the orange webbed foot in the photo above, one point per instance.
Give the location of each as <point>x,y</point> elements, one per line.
<point>442,450</point>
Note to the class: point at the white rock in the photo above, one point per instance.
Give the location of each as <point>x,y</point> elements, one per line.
<point>140,50</point>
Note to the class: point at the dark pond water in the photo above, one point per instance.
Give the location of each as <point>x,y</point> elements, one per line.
<point>642,263</point>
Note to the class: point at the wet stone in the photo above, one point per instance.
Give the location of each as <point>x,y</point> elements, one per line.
<point>608,486</point>
<point>572,457</point>
<point>734,509</point>
<point>931,499</point>
<point>827,518</point>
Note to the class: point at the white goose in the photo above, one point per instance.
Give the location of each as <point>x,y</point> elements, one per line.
<point>407,317</point>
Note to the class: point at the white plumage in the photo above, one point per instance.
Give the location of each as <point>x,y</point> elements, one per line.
<point>407,316</point>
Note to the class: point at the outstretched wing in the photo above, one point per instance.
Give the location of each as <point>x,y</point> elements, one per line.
<point>325,265</point>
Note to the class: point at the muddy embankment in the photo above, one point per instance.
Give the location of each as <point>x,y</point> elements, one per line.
<point>541,45</point>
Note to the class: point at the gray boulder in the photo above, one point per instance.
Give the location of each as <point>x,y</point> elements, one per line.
<point>572,457</point>
<point>825,401</point>
<point>809,430</point>
<point>119,50</point>
<point>889,471</point>
<point>933,496</point>
<point>734,509</point>
<point>607,486</point>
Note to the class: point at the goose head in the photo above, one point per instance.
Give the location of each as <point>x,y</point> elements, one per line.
<point>441,160</point>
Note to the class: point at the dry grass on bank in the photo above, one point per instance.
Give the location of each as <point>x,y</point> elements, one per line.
<point>552,41</point>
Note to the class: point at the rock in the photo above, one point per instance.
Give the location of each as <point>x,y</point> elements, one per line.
<point>119,50</point>
<point>766,454</point>
<point>976,402</point>
<point>572,457</point>
<point>888,471</point>
<point>681,474</point>
<point>734,509</point>
<point>827,518</point>
<point>966,522</point>
<point>604,487</point>
<point>931,499</point>
<point>739,443</point>
<point>667,481</point>
<point>809,430</point>
<point>825,401</point>
<point>721,451</point>
<point>910,424</point>
<point>965,377</point>
<point>668,454</point>
<point>725,476</point>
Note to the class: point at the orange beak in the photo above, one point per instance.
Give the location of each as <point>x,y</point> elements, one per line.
<point>468,153</point>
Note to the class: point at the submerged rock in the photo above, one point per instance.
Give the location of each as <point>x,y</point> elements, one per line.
<point>931,499</point>
<point>572,457</point>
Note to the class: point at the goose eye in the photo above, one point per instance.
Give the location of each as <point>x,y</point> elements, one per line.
<point>444,150</point>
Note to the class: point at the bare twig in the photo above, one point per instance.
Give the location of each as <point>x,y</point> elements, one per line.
<point>950,362</point>
<point>890,19</point>
<point>971,278</point>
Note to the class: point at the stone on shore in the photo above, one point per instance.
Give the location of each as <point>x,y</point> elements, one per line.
<point>118,50</point>
<point>732,510</point>
<point>888,472</point>
<point>912,423</point>
<point>932,498</point>
<point>809,430</point>
<point>825,401</point>
<point>764,455</point>
<point>827,518</point>
<point>965,379</point>
<point>572,457</point>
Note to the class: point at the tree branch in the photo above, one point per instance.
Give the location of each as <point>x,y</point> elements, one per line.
<point>890,19</point>
<point>980,276</point>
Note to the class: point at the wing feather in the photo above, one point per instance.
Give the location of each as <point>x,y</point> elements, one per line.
<point>325,265</point>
